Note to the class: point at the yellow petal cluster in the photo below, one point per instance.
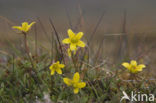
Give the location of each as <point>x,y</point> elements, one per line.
<point>56,67</point>
<point>75,82</point>
<point>74,40</point>
<point>133,67</point>
<point>25,27</point>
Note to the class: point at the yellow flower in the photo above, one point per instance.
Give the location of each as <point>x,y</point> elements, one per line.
<point>25,27</point>
<point>56,67</point>
<point>74,40</point>
<point>75,82</point>
<point>133,67</point>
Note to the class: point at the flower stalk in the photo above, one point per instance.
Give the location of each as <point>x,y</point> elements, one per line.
<point>27,49</point>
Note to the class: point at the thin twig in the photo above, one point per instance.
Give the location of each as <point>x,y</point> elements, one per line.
<point>36,40</point>
<point>69,19</point>
<point>46,34</point>
<point>57,36</point>
<point>96,27</point>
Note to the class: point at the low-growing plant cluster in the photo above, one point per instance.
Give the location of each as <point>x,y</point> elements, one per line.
<point>67,75</point>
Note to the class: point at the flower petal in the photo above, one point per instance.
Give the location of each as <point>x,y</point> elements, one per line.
<point>61,65</point>
<point>70,33</point>
<point>126,65</point>
<point>69,52</point>
<point>81,85</point>
<point>81,44</point>
<point>17,27</point>
<point>67,81</point>
<point>30,25</point>
<point>134,63</point>
<point>24,24</point>
<point>140,67</point>
<point>52,71</point>
<point>79,35</point>
<point>72,47</point>
<point>51,67</point>
<point>76,77</point>
<point>59,71</point>
<point>75,51</point>
<point>76,90</point>
<point>66,41</point>
<point>58,62</point>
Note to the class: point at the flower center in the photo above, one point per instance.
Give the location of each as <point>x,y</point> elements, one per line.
<point>134,66</point>
<point>75,84</point>
<point>74,40</point>
<point>55,66</point>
